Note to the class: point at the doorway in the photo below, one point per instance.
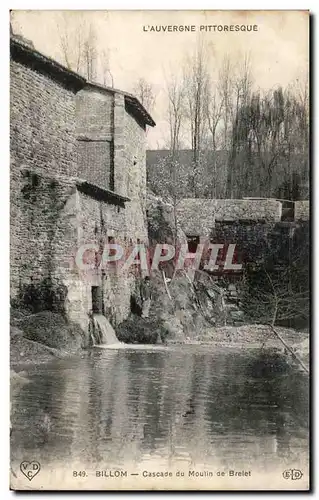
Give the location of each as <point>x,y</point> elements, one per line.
<point>97,299</point>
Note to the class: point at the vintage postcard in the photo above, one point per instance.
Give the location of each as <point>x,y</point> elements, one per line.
<point>159,195</point>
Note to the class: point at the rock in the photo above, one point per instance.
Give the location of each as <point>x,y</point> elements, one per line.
<point>232,287</point>
<point>138,330</point>
<point>17,380</point>
<point>236,314</point>
<point>302,351</point>
<point>211,294</point>
<point>174,330</point>
<point>52,330</point>
<point>24,351</point>
<point>15,331</point>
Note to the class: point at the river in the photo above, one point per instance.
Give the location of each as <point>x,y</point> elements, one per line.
<point>150,409</point>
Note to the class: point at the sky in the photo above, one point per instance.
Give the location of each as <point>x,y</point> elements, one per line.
<point>278,48</point>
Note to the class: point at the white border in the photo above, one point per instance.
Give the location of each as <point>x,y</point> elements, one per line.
<point>4,183</point>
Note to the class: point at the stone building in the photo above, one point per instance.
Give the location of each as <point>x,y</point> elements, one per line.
<point>78,176</point>
<point>199,216</point>
<point>256,225</point>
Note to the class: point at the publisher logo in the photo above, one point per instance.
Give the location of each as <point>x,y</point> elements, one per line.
<point>292,474</point>
<point>30,469</point>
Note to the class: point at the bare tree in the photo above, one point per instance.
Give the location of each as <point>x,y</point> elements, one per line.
<point>145,93</point>
<point>268,126</point>
<point>107,76</point>
<point>236,86</point>
<point>276,289</point>
<point>302,98</point>
<point>176,111</point>
<point>214,112</point>
<point>214,109</point>
<point>296,138</point>
<point>225,88</point>
<point>272,298</point>
<point>78,43</point>
<point>196,84</point>
<point>71,35</point>
<point>244,130</point>
<point>90,54</point>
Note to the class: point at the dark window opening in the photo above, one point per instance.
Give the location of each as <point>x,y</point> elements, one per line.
<point>193,242</point>
<point>97,300</point>
<point>288,211</point>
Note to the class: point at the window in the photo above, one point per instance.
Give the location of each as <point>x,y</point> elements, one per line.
<point>193,242</point>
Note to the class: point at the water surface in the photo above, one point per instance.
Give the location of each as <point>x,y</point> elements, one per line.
<point>182,406</point>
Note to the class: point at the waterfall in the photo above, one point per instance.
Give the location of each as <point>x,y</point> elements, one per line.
<point>92,336</point>
<point>103,332</point>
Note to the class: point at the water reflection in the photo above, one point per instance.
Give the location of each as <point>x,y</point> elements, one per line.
<point>184,406</point>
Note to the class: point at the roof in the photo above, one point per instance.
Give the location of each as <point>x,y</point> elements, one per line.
<point>23,51</point>
<point>134,105</point>
<point>100,193</point>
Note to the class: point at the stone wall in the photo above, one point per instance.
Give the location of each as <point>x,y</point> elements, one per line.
<point>94,126</point>
<point>198,216</point>
<point>134,141</point>
<point>42,138</point>
<point>94,108</point>
<point>255,241</point>
<point>134,157</point>
<point>45,235</point>
<point>42,126</point>
<point>302,210</point>
<point>62,134</point>
<point>111,144</point>
<point>275,264</point>
<point>97,223</point>
<point>56,219</point>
